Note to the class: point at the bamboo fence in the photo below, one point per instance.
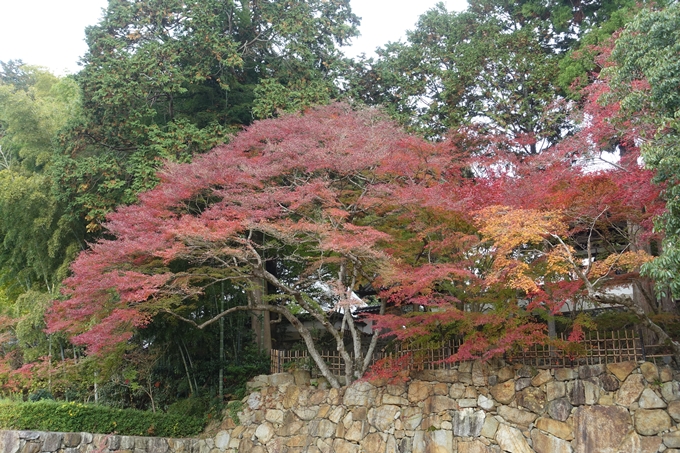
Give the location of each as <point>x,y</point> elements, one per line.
<point>596,348</point>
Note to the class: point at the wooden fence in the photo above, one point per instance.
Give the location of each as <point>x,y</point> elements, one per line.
<point>596,348</point>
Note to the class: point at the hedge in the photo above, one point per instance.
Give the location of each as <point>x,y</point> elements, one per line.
<point>77,417</point>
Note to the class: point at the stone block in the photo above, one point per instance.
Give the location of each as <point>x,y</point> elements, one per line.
<point>505,374</point>
<point>472,446</point>
<point>543,377</point>
<point>31,447</point>
<point>279,379</point>
<point>318,397</point>
<point>419,391</point>
<point>489,427</point>
<point>383,417</point>
<point>480,373</point>
<point>374,443</point>
<point>457,390</point>
<point>609,382</point>
<point>512,440</point>
<point>532,398</point>
<point>467,422</point>
<point>411,417</point>
<point>672,440</point>
<point>650,371</point>
<point>670,391</point>
<point>621,369</point>
<point>73,439</point>
<point>360,393</point>
<point>485,403</point>
<point>467,402</point>
<point>576,391</point>
<point>525,371</point>
<point>522,383</point>
<point>439,441</point>
<point>555,389</point>
<point>504,392</point>
<point>665,374</point>
<point>222,440</point>
<point>302,377</point>
<point>306,413</point>
<point>674,410</point>
<point>159,445</point>
<point>588,371</point>
<point>516,416</point>
<point>630,390</point>
<point>557,428</point>
<point>291,397</point>
<point>357,431</point>
<point>599,428</point>
<point>565,374</point>
<point>649,422</point>
<point>545,443</point>
<point>52,442</point>
<point>650,400</point>
<point>9,441</point>
<point>264,432</point>
<point>439,403</point>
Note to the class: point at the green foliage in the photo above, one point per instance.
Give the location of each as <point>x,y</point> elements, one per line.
<point>233,408</point>
<point>30,309</point>
<point>578,67</point>
<point>36,244</point>
<point>495,65</point>
<point>273,98</point>
<point>190,407</point>
<point>167,80</point>
<point>611,321</point>
<point>39,395</point>
<point>646,79</point>
<point>75,417</point>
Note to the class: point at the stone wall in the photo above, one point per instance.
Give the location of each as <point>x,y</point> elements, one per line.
<point>42,442</point>
<point>625,407</point>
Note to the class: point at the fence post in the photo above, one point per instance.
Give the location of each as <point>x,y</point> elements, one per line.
<point>642,343</point>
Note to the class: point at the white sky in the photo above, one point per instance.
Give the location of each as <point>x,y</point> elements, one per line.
<point>51,33</point>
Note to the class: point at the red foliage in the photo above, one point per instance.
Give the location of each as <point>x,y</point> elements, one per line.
<point>310,182</point>
<point>338,187</point>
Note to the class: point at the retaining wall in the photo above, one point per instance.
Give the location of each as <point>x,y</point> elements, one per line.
<point>624,407</point>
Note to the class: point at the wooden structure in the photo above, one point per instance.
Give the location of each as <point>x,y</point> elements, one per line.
<point>596,348</point>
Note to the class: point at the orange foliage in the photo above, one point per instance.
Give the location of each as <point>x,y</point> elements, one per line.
<point>625,262</point>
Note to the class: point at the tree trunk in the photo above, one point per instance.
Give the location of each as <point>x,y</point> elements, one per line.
<point>260,320</point>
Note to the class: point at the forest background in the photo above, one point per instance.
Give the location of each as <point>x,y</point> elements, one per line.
<point>501,162</point>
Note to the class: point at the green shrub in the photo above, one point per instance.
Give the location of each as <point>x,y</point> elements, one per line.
<point>192,407</point>
<point>39,395</point>
<point>48,415</point>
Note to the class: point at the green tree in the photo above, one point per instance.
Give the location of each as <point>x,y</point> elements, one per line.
<point>645,80</point>
<point>494,66</point>
<point>166,79</point>
<point>36,244</point>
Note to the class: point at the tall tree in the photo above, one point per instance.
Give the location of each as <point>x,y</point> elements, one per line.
<point>291,192</point>
<point>36,246</point>
<point>35,243</point>
<point>494,66</point>
<point>643,80</point>
<point>166,79</point>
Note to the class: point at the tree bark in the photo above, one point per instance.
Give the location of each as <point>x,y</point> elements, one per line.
<point>260,319</point>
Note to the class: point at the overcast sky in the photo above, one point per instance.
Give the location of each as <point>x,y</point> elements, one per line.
<point>50,33</point>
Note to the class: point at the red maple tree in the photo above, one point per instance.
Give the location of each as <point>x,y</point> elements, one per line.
<point>295,202</point>
<point>316,205</point>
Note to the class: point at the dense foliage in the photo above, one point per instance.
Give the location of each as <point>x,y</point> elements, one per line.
<point>48,415</point>
<point>541,175</point>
